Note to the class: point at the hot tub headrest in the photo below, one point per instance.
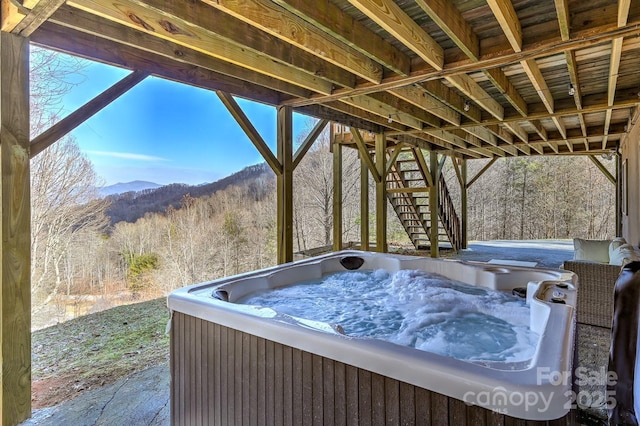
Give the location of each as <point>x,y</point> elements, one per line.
<point>352,262</point>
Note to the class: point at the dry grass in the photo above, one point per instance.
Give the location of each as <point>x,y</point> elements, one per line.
<point>97,349</point>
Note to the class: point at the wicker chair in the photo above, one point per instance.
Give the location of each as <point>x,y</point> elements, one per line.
<point>596,282</point>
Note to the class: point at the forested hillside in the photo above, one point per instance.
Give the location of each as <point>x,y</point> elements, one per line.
<point>131,206</point>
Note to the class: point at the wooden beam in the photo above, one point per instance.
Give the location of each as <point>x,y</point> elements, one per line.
<point>539,83</point>
<point>481,172</point>
<point>603,169</point>
<point>82,114</point>
<point>422,165</point>
<point>464,216</point>
<point>392,18</point>
<point>383,110</point>
<point>284,184</point>
<point>477,94</point>
<point>15,252</point>
<point>364,204</point>
<point>433,205</point>
<point>543,48</point>
<point>445,14</point>
<point>91,24</point>
<point>508,90</point>
<point>393,157</point>
<point>308,142</point>
<point>35,17</point>
<point>87,46</point>
<point>381,195</point>
<point>364,155</point>
<point>275,20</point>
<point>337,196</point>
<point>419,98</point>
<point>508,19</point>
<point>245,124</point>
<point>332,20</point>
<point>174,21</point>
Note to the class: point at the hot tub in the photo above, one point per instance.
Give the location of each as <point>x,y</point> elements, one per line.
<point>236,364</point>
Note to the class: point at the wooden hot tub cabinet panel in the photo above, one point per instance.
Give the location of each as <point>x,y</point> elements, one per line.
<point>222,376</point>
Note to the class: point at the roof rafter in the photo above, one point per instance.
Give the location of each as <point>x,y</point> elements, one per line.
<point>277,21</point>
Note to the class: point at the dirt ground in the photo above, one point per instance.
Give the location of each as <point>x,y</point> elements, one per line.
<point>98,349</point>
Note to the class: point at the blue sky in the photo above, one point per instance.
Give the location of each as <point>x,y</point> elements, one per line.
<point>165,132</point>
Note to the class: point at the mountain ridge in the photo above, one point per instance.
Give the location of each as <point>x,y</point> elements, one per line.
<point>130,206</point>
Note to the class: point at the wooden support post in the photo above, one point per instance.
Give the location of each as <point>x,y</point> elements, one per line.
<point>463,203</point>
<point>433,204</point>
<point>15,254</point>
<point>337,196</point>
<point>619,195</point>
<point>364,204</point>
<point>381,195</point>
<point>285,185</point>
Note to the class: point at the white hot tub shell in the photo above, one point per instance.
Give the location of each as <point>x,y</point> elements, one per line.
<point>537,389</point>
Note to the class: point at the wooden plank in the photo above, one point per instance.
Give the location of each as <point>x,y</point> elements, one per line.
<point>337,197</point>
<point>450,97</point>
<point>364,204</point>
<point>82,114</point>
<point>378,408</point>
<point>15,255</point>
<point>407,404</point>
<point>275,20</point>
<point>115,32</point>
<point>287,386</point>
<point>603,169</point>
<point>238,375</point>
<point>381,195</point>
<point>448,18</point>
<point>539,83</point>
<point>477,94</point>
<point>213,380</point>
<point>307,388</point>
<point>285,185</point>
<point>179,19</point>
<point>423,405</point>
<point>88,46</point>
<point>340,408</point>
<point>40,12</point>
<point>318,390</point>
<point>364,397</point>
<point>481,172</point>
<point>433,205</point>
<point>543,48</point>
<point>393,19</point>
<point>365,156</point>
<point>352,395</point>
<point>251,132</point>
<point>417,97</point>
<point>328,391</point>
<point>332,20</point>
<point>508,19</point>
<point>298,380</point>
<point>392,401</point>
<point>246,384</point>
<point>251,409</point>
<point>458,413</point>
<point>439,410</point>
<point>308,142</point>
<point>393,157</point>
<point>263,385</point>
<point>370,104</point>
<point>501,81</point>
<point>196,382</point>
<point>270,382</point>
<point>464,214</point>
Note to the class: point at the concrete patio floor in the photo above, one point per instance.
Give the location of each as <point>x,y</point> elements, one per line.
<point>143,398</point>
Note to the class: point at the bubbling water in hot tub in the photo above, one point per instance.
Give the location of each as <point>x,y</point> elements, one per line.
<point>413,308</point>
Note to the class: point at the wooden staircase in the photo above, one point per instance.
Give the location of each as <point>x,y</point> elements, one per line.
<point>408,192</point>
